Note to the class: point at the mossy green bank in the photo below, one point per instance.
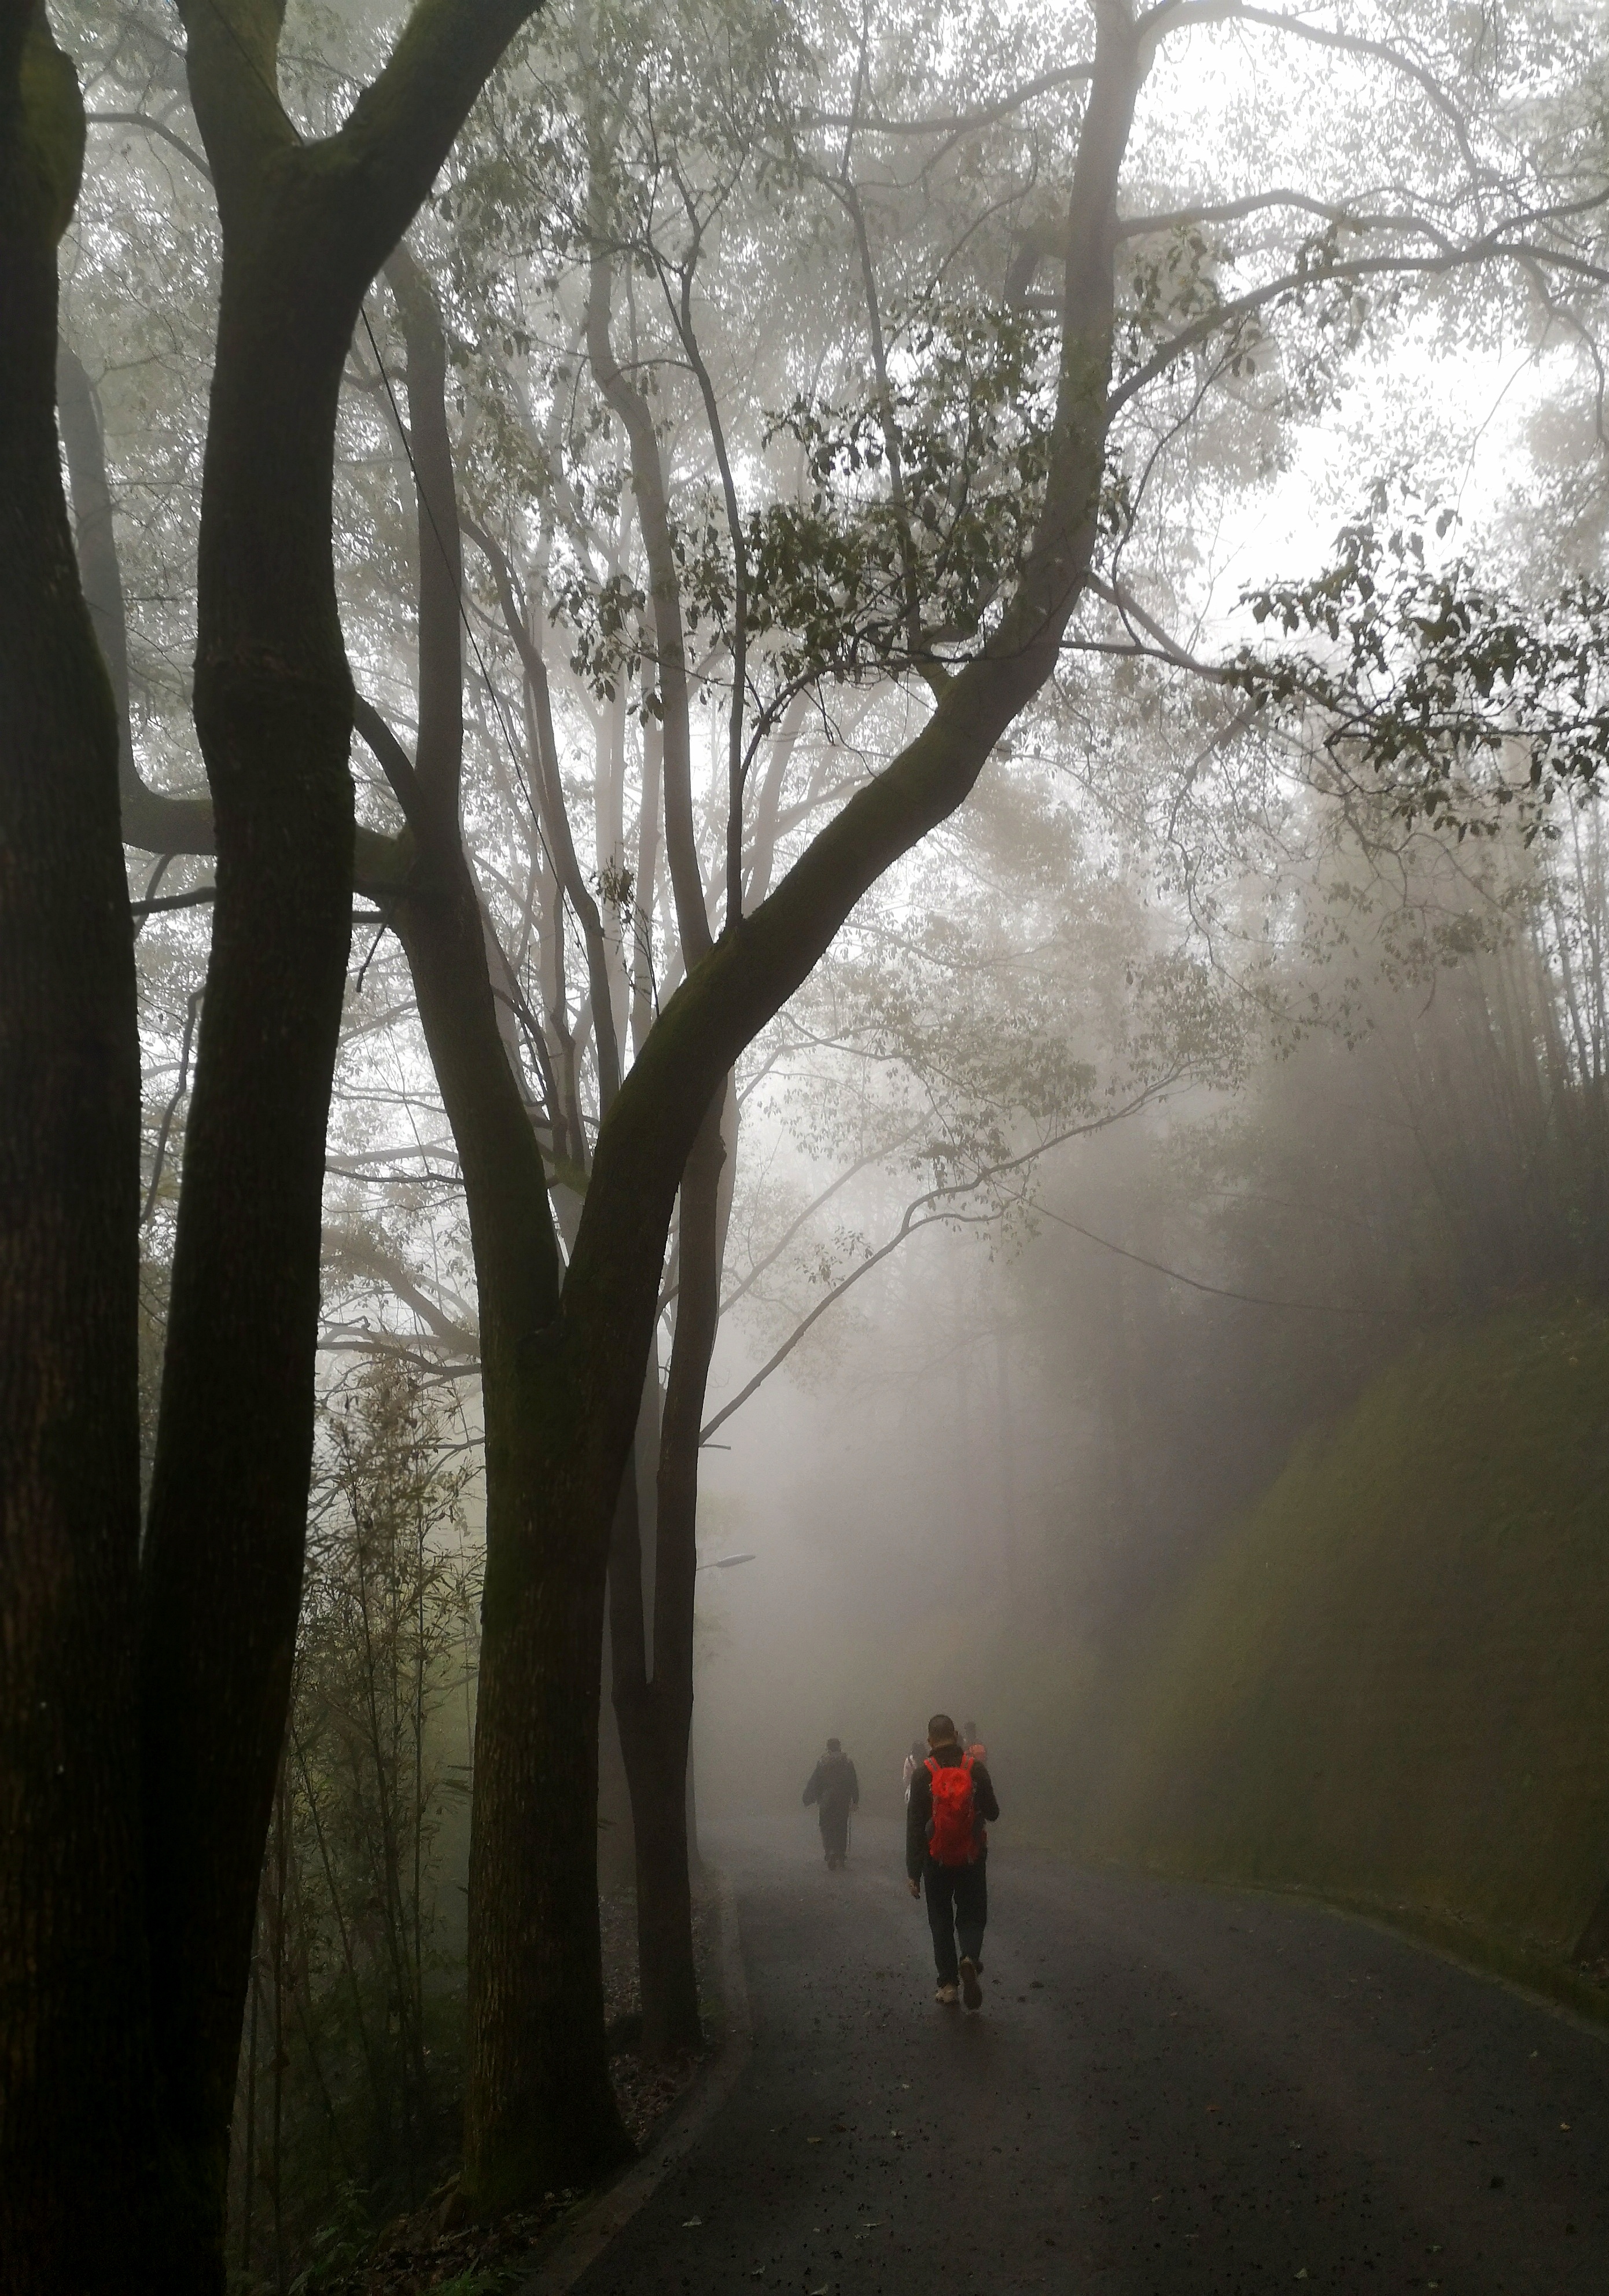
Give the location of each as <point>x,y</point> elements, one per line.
<point>1390,1684</point>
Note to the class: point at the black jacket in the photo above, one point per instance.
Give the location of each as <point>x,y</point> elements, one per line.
<point>833,1783</point>
<point>919,1809</point>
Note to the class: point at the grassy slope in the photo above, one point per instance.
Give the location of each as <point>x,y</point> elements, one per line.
<point>1392,1684</point>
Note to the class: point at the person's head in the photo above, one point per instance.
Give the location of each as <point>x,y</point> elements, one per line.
<point>918,1748</point>
<point>833,1746</point>
<point>941,1731</point>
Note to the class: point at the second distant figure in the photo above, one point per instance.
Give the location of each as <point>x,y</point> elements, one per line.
<point>835,1790</point>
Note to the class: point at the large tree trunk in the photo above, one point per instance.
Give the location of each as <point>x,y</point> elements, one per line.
<point>76,2148</point>
<point>305,227</point>
<point>539,2078</point>
<point>542,2113</point>
<point>228,1503</point>
<point>654,1703</point>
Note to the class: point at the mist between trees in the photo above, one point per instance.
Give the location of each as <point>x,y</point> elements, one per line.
<point>353,2022</point>
<point>976,658</point>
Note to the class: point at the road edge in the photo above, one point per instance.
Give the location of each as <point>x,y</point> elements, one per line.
<point>581,2240</point>
<point>1498,1959</point>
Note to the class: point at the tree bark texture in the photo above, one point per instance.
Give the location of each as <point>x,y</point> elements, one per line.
<point>305,227</point>
<point>77,2130</point>
<point>654,1706</point>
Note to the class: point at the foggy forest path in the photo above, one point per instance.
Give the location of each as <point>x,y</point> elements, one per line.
<point>1167,2089</point>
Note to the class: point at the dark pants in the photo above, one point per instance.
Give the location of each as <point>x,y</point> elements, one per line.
<point>957,1906</point>
<point>835,1829</point>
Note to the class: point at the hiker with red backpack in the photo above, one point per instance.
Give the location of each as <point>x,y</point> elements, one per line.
<point>946,1851</point>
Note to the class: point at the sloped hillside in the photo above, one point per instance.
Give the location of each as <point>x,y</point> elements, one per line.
<point>1391,1684</point>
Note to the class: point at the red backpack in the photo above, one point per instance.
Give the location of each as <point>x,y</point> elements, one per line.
<point>952,1838</point>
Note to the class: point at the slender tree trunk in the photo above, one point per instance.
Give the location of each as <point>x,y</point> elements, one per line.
<point>76,2122</point>
<point>541,2109</point>
<point>161,824</point>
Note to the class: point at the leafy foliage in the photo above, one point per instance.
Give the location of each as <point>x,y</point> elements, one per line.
<point>1464,701</point>
<point>862,574</point>
<point>348,2075</point>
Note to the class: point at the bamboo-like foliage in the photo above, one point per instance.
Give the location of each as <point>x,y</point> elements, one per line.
<point>349,2063</point>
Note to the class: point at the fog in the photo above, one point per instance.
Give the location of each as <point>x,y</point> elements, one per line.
<point>857,763</point>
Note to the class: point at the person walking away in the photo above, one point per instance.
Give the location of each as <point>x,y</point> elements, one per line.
<point>946,1855</point>
<point>835,1790</point>
<point>913,1763</point>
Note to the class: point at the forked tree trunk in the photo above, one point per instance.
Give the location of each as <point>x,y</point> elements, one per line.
<point>539,2064</point>
<point>76,2123</point>
<point>305,228</point>
<point>535,1814</point>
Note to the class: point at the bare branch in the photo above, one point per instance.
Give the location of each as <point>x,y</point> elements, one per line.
<point>156,128</point>
<point>959,123</point>
<point>1185,15</point>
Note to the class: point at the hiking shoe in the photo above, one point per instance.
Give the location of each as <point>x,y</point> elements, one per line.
<point>971,1992</point>
<point>947,1996</point>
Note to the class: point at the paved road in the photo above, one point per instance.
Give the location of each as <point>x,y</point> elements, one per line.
<point>1168,2089</point>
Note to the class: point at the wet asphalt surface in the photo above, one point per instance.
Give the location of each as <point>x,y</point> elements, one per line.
<point>1167,2089</point>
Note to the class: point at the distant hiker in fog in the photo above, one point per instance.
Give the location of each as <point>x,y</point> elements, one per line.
<point>835,1790</point>
<point>946,1851</point>
<point>913,1763</point>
